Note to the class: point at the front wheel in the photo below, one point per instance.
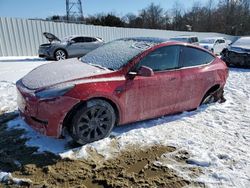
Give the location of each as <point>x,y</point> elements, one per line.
<point>60,55</point>
<point>93,121</point>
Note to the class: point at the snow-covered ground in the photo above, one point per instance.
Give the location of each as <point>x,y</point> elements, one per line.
<point>7,177</point>
<point>216,136</point>
<point>11,69</point>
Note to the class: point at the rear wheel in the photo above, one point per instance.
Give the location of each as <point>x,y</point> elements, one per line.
<point>60,55</point>
<point>93,122</point>
<point>214,96</point>
<point>208,99</point>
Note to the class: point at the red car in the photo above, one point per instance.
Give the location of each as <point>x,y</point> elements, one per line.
<point>124,81</point>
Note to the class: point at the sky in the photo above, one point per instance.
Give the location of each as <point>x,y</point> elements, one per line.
<point>45,8</point>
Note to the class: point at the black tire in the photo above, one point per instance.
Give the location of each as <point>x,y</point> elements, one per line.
<point>208,99</point>
<point>60,55</point>
<point>94,121</point>
<point>214,96</point>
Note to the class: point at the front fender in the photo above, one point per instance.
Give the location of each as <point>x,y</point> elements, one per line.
<point>103,90</point>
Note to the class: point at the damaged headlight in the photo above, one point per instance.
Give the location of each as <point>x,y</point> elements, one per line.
<point>53,92</point>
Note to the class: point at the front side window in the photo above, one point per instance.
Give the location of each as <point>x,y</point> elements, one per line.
<point>88,39</point>
<point>194,39</point>
<point>77,39</point>
<point>164,58</point>
<point>194,57</point>
<point>221,41</point>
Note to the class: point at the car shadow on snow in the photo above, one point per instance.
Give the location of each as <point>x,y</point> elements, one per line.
<point>146,124</point>
<point>14,153</point>
<point>241,69</point>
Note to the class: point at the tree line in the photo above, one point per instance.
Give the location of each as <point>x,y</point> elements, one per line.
<point>226,16</point>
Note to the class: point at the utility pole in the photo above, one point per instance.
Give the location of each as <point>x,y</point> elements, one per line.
<point>74,10</point>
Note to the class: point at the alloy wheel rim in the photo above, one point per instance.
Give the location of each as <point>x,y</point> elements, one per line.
<point>60,55</point>
<point>94,123</point>
<point>208,99</point>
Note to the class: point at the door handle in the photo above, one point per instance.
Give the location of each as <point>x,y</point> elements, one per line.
<point>119,90</point>
<point>172,79</point>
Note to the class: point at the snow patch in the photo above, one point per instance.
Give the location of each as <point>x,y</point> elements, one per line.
<point>43,143</point>
<point>20,58</point>
<point>7,178</point>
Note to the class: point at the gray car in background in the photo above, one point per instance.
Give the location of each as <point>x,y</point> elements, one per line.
<point>71,46</point>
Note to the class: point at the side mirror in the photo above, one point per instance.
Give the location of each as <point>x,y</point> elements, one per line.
<point>145,71</point>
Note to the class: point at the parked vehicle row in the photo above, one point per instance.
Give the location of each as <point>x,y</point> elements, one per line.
<point>123,81</point>
<point>213,44</point>
<point>236,54</point>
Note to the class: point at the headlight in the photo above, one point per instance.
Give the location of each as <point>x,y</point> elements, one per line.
<point>53,92</point>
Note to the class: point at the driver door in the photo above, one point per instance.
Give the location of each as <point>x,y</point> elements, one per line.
<point>148,97</point>
<point>75,47</point>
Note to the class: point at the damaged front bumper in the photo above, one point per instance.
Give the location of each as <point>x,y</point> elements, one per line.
<point>235,58</point>
<point>45,116</point>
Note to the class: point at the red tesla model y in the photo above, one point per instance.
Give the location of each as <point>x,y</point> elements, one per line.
<point>123,81</point>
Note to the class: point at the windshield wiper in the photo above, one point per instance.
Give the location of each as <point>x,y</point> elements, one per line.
<point>101,67</point>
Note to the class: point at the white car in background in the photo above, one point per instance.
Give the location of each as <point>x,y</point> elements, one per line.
<point>214,44</point>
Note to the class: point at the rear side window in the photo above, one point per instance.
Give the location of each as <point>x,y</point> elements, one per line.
<point>194,57</point>
<point>88,39</point>
<point>196,39</point>
<point>164,58</point>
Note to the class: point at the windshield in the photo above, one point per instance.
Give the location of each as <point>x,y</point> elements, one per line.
<point>116,54</point>
<point>242,41</point>
<point>207,41</point>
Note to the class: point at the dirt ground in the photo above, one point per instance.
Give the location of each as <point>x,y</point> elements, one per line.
<point>133,167</point>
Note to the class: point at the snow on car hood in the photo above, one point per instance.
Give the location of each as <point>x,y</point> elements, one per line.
<point>59,72</point>
<point>240,48</point>
<point>247,47</point>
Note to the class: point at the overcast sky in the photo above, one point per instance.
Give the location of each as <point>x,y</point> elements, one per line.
<point>45,8</point>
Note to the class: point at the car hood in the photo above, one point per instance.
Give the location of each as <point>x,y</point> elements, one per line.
<point>59,72</point>
<point>240,48</point>
<point>51,37</point>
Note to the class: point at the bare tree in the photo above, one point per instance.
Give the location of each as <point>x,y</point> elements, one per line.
<point>227,16</point>
<point>153,16</point>
<point>177,16</point>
